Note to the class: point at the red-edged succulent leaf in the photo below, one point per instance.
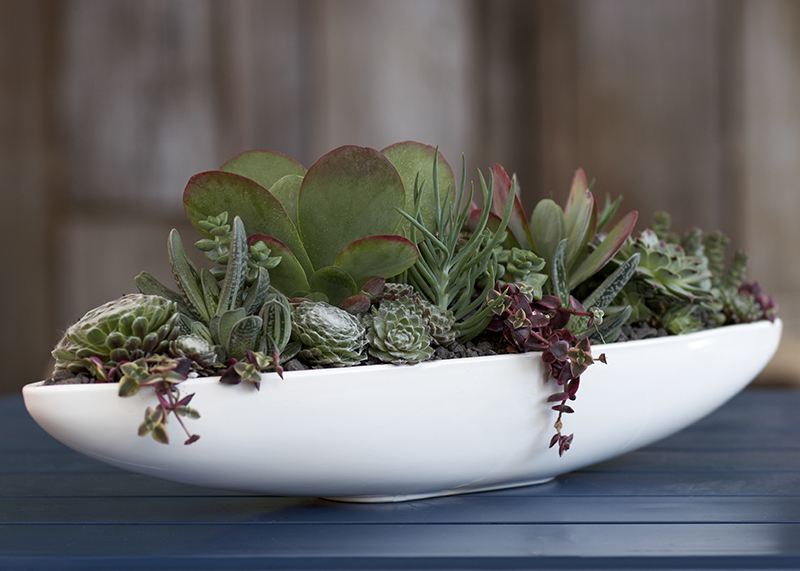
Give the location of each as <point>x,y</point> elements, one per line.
<point>213,192</point>
<point>410,158</point>
<point>518,223</point>
<point>287,277</point>
<point>264,167</point>
<point>606,250</point>
<point>348,194</point>
<point>377,256</point>
<point>356,304</point>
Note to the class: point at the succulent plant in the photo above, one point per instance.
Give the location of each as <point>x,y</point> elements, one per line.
<point>580,224</point>
<point>334,227</point>
<point>233,317</point>
<point>129,328</point>
<point>330,335</point>
<point>667,268</point>
<point>195,348</point>
<point>448,269</point>
<point>522,266</point>
<point>398,332</point>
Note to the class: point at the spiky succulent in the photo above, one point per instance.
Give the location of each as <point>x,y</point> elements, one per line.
<point>330,336</point>
<point>128,328</point>
<point>398,332</point>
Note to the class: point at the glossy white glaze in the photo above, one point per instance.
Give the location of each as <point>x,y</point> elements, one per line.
<point>391,433</point>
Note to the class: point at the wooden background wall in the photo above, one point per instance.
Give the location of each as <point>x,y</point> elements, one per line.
<point>107,107</point>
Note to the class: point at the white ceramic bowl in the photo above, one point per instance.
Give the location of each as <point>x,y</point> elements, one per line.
<point>391,433</point>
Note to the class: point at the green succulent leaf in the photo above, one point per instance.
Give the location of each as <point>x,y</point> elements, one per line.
<point>377,256</point>
<point>288,276</point>
<point>335,283</point>
<point>606,250</point>
<point>547,228</point>
<point>558,273</point>
<point>236,272</point>
<point>243,336</point>
<point>411,158</point>
<point>518,223</point>
<point>287,191</point>
<point>264,167</point>
<point>209,193</point>
<point>580,220</point>
<point>348,194</point>
<point>187,276</point>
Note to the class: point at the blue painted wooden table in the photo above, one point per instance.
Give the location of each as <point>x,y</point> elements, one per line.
<point>724,493</point>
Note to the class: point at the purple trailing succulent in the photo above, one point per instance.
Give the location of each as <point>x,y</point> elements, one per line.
<point>529,324</point>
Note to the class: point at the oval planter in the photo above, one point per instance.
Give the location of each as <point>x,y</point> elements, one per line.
<point>392,433</point>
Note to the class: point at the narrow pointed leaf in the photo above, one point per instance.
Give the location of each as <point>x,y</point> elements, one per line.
<point>149,285</point>
<point>377,256</point>
<point>186,276</point>
<point>606,250</point>
<point>236,271</point>
<point>518,223</point>
<point>210,290</point>
<point>558,273</point>
<point>411,158</point>
<point>257,292</point>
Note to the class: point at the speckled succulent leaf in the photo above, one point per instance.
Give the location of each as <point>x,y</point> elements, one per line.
<point>210,287</point>
<point>518,223</point>
<point>276,315</point>
<point>605,293</point>
<point>558,273</point>
<point>377,256</point>
<point>243,336</point>
<point>287,191</point>
<point>149,285</point>
<point>235,274</point>
<point>547,228</point>
<point>186,276</point>
<point>257,292</point>
<point>221,325</point>
<point>212,192</point>
<point>411,158</point>
<point>350,193</point>
<point>334,282</point>
<point>606,250</point>
<point>264,167</point>
<point>288,276</point>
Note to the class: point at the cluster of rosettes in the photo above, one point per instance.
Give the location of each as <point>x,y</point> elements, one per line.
<point>397,327</point>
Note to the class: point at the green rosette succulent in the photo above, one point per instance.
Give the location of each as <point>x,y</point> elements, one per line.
<point>523,266</point>
<point>398,332</point>
<point>126,329</point>
<point>331,337</point>
<point>667,268</point>
<point>197,349</point>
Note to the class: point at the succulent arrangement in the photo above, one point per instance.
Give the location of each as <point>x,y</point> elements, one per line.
<point>376,257</point>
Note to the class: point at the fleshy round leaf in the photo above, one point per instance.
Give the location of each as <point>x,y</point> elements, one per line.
<point>264,167</point>
<point>335,283</point>
<point>377,257</point>
<point>410,158</point>
<point>287,190</point>
<point>348,194</point>
<point>210,193</point>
